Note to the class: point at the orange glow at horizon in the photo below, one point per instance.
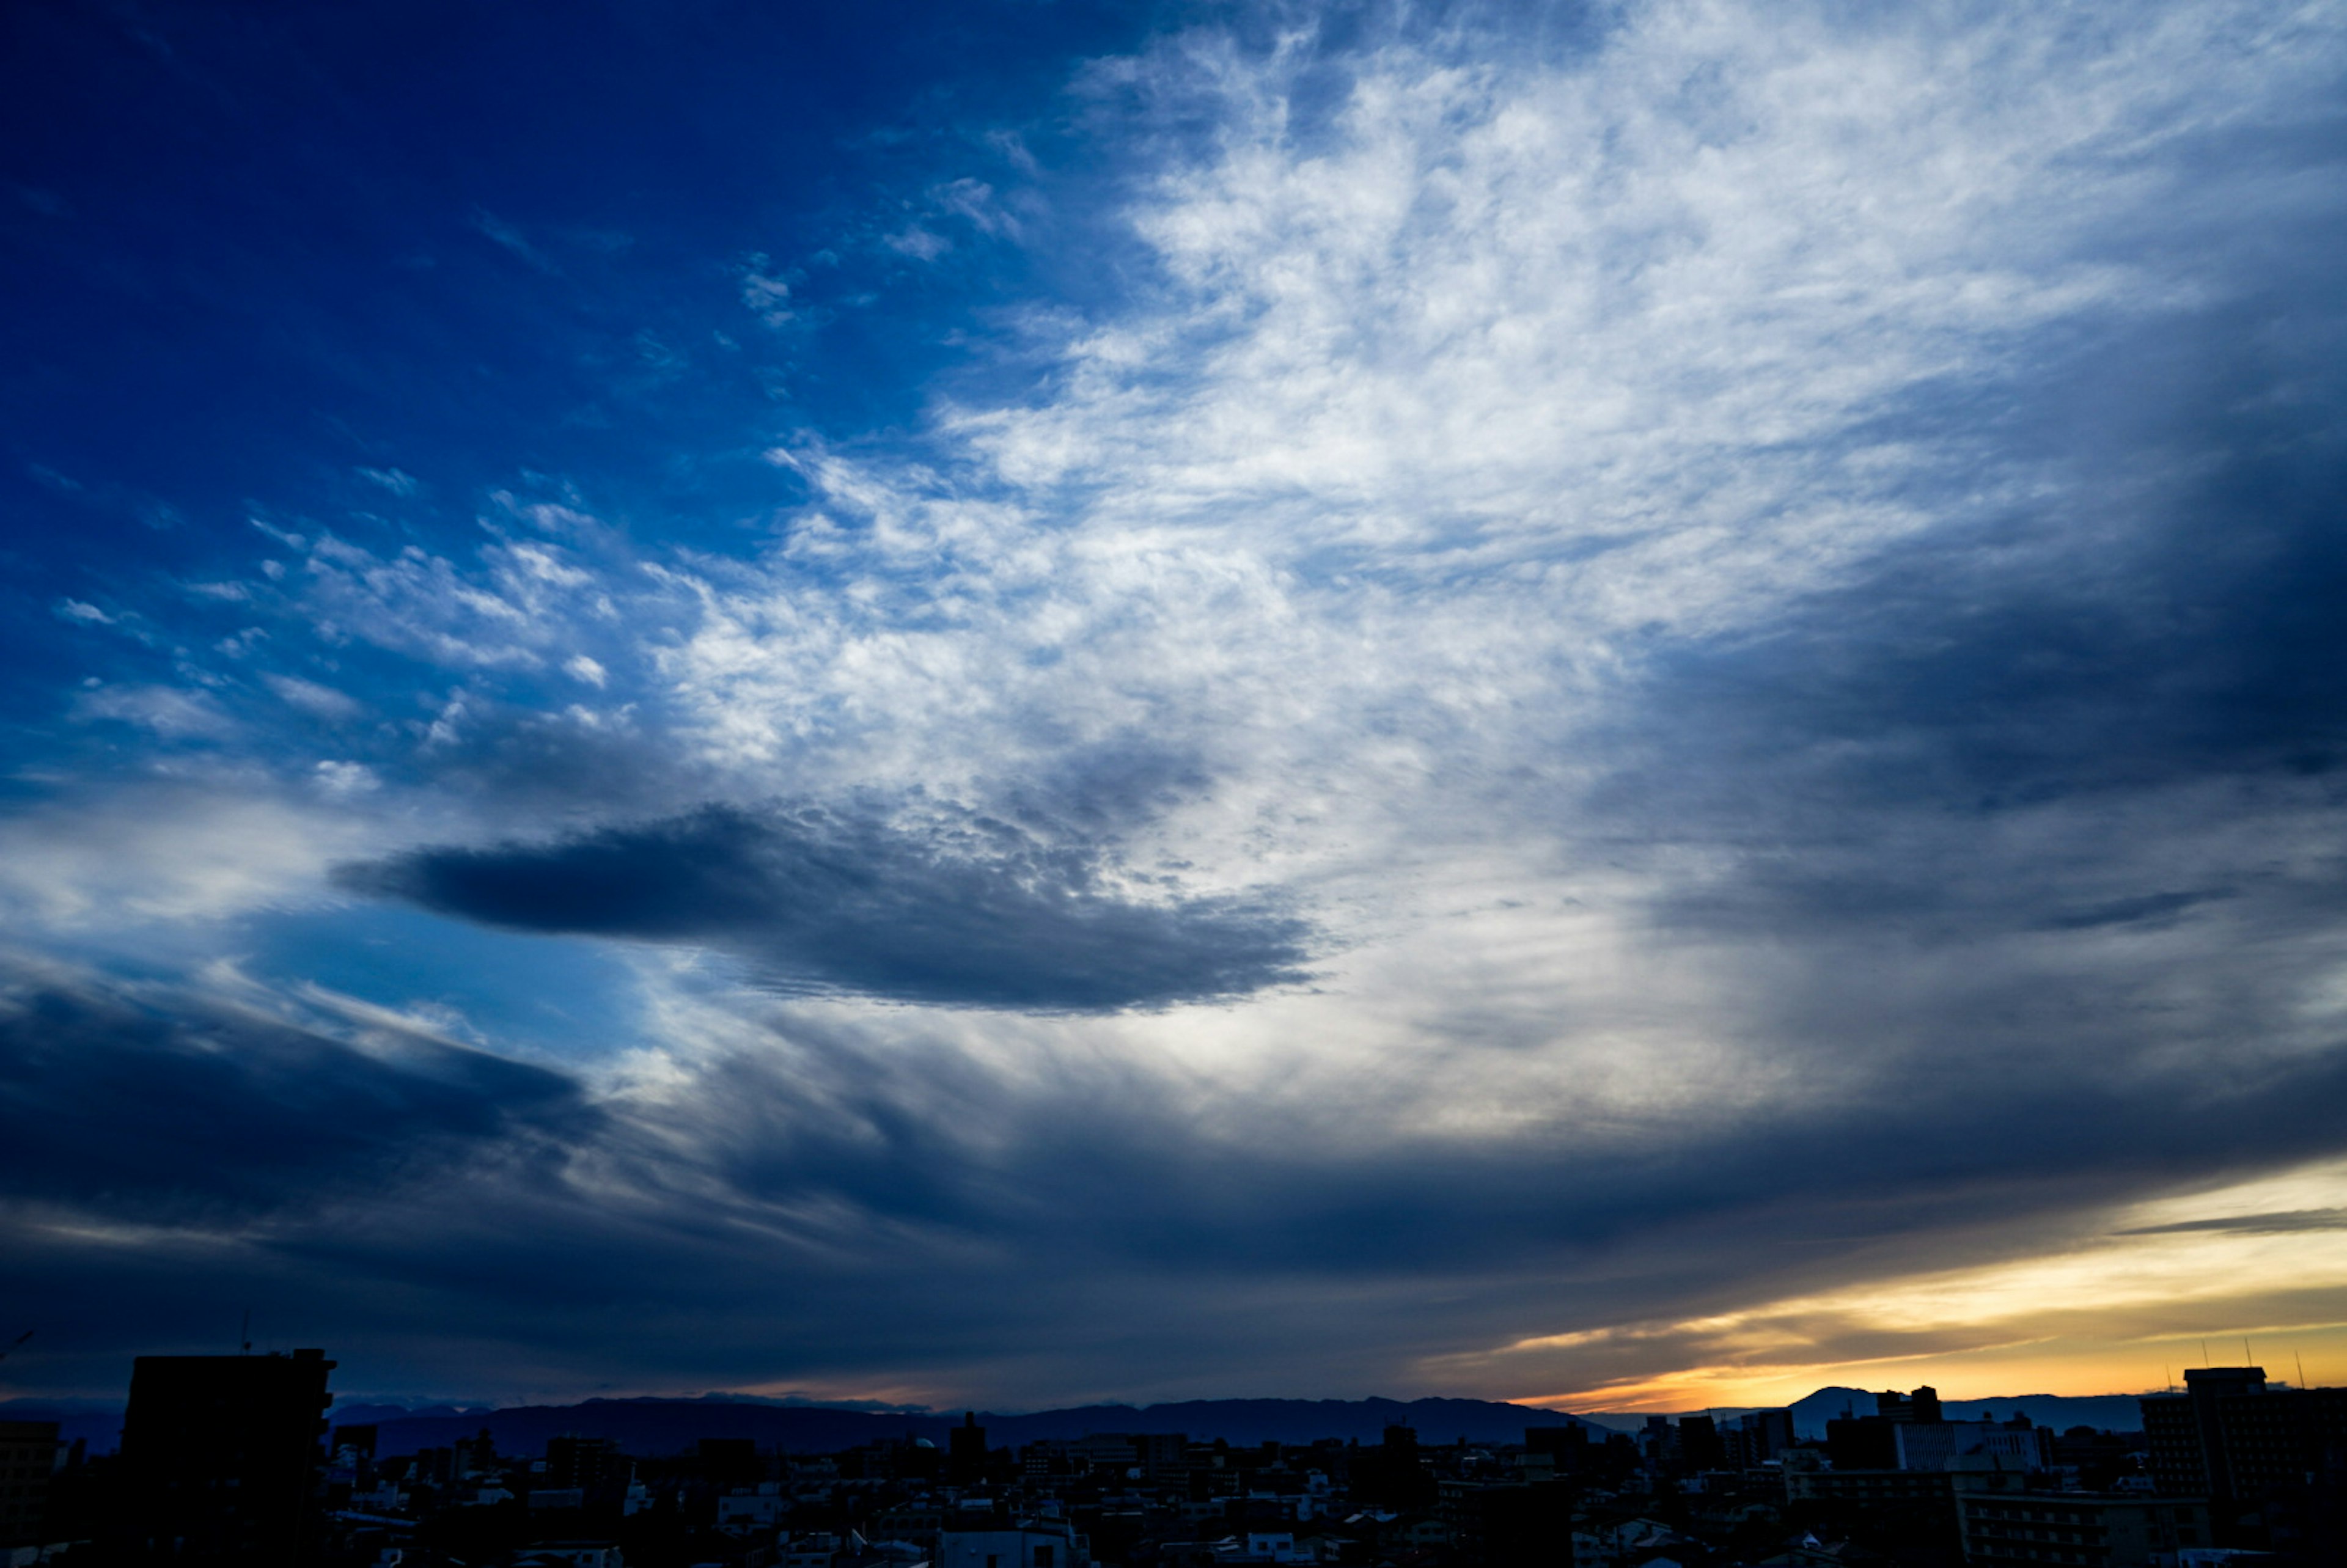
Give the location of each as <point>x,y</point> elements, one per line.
<point>2168,1284</point>
<point>2004,1373</point>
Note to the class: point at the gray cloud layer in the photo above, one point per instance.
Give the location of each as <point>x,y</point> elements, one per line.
<point>176,1106</point>
<point>976,915</point>
<point>816,1203</point>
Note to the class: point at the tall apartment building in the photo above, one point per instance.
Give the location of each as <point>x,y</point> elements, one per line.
<point>966,1451</point>
<point>593,1467</point>
<point>220,1458</point>
<point>1923,1405</point>
<point>2231,1439</point>
<point>2188,1445</point>
<point>2283,1437</point>
<point>28,1457</point>
<point>1930,1445</point>
<point>1753,1439</point>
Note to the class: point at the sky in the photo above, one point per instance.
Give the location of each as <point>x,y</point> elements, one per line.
<point>1628,705</point>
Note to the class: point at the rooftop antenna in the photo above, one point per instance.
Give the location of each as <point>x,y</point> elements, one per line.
<point>2246,1357</point>
<point>2294,1356</point>
<point>2204,1353</point>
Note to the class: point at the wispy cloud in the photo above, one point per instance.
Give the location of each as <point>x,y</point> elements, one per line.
<point>399,483</point>
<point>508,237</point>
<point>173,714</point>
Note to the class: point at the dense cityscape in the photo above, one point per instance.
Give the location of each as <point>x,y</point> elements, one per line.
<point>226,1461</point>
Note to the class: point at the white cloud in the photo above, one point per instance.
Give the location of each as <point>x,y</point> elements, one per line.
<point>170,711</point>
<point>504,234</point>
<point>976,203</point>
<point>507,614</point>
<point>166,853</point>
<point>768,295</point>
<point>920,243</point>
<point>1444,406</point>
<point>398,482</point>
<point>311,698</point>
<point>345,778</point>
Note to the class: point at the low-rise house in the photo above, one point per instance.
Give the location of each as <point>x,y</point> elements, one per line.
<point>747,1510</point>
<point>571,1555</point>
<point>1032,1543</point>
<point>2090,1529</point>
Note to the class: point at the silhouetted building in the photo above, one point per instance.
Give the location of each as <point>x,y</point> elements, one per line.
<point>1032,1545</point>
<point>433,1467</point>
<point>2272,1462</point>
<point>1757,1436</point>
<point>220,1458</point>
<point>2099,1458</point>
<point>1923,1405</point>
<point>1393,1475</point>
<point>1567,1445</point>
<point>1507,1524</point>
<point>2092,1530</point>
<point>592,1467</point>
<point>730,1462</point>
<point>81,1497</point>
<point>28,1457</point>
<point>1699,1444</point>
<point>1863,1487</point>
<point>475,1457</point>
<point>966,1451</point>
<point>1908,1432</point>
<point>1154,1454</point>
<point>1929,1446</point>
<point>1659,1442</point>
<point>2188,1445</point>
<point>1862,1443</point>
<point>2282,1438</point>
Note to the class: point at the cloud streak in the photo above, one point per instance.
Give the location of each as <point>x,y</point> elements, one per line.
<point>970,913</point>
<point>189,1106</point>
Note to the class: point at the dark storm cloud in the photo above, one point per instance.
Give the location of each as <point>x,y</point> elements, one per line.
<point>1093,1165</point>
<point>970,913</point>
<point>2174,627</point>
<point>2150,907</point>
<point>1102,790</point>
<point>848,1202</point>
<point>179,1107</point>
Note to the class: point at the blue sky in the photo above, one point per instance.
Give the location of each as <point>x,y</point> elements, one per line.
<point>1035,702</point>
